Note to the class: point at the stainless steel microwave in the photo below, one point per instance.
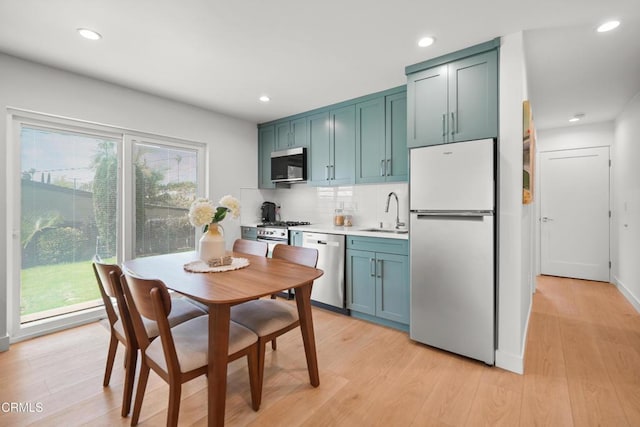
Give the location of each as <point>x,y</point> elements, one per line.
<point>289,165</point>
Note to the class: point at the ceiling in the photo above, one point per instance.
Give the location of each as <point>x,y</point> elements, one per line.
<point>223,55</point>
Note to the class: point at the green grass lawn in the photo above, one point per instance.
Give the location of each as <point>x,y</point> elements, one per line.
<point>53,286</point>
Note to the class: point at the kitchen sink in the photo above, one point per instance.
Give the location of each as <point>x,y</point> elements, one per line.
<point>385,230</point>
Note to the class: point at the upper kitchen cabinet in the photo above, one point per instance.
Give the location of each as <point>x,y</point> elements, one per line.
<point>331,138</point>
<point>291,133</point>
<point>266,144</point>
<point>454,97</point>
<point>381,139</point>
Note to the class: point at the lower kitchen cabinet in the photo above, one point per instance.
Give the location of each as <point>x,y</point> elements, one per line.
<point>378,280</point>
<point>249,233</point>
<point>295,238</point>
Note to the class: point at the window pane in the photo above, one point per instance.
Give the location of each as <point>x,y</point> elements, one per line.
<point>165,187</point>
<point>68,214</point>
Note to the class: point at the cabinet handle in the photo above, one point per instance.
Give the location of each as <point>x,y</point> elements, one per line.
<point>379,269</point>
<point>372,267</point>
<point>333,172</point>
<point>326,172</point>
<point>388,169</point>
<point>453,123</point>
<point>382,168</point>
<point>444,128</point>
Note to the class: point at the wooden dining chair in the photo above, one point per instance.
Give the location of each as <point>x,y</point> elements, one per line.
<point>181,353</point>
<point>270,318</point>
<point>251,247</point>
<point>121,326</point>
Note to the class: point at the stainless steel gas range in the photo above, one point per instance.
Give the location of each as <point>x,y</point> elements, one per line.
<point>277,232</point>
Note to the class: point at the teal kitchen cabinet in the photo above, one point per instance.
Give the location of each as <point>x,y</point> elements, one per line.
<point>266,144</point>
<point>291,133</point>
<point>295,238</point>
<point>248,233</point>
<point>331,138</point>
<point>381,139</point>
<point>378,280</point>
<point>454,101</point>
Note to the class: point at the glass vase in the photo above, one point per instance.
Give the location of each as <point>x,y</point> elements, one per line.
<point>211,243</point>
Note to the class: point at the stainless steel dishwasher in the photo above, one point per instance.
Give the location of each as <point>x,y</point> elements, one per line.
<point>329,288</point>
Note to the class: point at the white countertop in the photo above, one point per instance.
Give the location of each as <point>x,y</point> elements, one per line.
<point>352,231</point>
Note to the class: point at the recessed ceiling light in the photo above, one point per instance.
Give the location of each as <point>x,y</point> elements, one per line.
<point>89,34</point>
<point>426,41</point>
<point>608,26</point>
<point>577,118</point>
<point>264,98</point>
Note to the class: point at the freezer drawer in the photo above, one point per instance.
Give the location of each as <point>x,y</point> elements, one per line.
<point>453,283</point>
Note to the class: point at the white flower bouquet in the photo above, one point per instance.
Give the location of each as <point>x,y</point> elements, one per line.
<point>203,213</point>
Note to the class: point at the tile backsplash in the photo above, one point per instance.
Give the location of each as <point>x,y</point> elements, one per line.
<point>301,202</point>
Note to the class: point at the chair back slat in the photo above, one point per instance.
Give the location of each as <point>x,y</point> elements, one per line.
<point>151,299</point>
<point>102,271</point>
<point>141,294</point>
<point>296,254</point>
<point>251,247</point>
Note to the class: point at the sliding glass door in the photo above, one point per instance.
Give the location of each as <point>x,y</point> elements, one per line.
<point>68,203</point>
<point>88,191</point>
<point>165,182</point>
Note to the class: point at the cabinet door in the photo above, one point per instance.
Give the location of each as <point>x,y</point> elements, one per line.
<point>266,144</point>
<point>318,139</point>
<point>295,238</point>
<point>370,141</point>
<point>342,145</point>
<point>396,138</point>
<point>282,136</point>
<point>298,132</point>
<point>361,281</point>
<point>427,107</point>
<point>473,97</point>
<point>249,233</point>
<point>392,287</point>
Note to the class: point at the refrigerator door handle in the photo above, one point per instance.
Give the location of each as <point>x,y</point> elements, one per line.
<point>427,214</point>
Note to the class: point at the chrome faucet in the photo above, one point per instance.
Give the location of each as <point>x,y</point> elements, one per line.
<point>398,223</point>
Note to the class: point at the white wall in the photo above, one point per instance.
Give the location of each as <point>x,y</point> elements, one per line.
<point>626,203</point>
<point>26,85</point>
<point>514,239</point>
<point>576,136</point>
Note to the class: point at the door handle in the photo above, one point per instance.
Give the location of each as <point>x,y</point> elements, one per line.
<point>546,219</point>
<point>453,123</point>
<point>388,168</point>
<point>379,269</point>
<point>326,173</point>
<point>444,127</point>
<point>333,172</point>
<point>382,168</point>
<point>372,267</point>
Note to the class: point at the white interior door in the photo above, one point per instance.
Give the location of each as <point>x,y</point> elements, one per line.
<point>574,213</point>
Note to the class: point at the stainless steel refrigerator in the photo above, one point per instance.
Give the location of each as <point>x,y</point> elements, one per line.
<point>452,247</point>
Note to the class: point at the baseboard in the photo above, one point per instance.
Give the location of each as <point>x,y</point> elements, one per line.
<point>510,362</point>
<point>515,362</point>
<point>4,343</point>
<point>635,302</point>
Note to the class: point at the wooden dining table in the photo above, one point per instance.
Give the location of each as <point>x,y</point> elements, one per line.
<point>263,276</point>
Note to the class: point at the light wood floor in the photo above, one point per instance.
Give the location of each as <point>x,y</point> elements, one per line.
<point>582,368</point>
